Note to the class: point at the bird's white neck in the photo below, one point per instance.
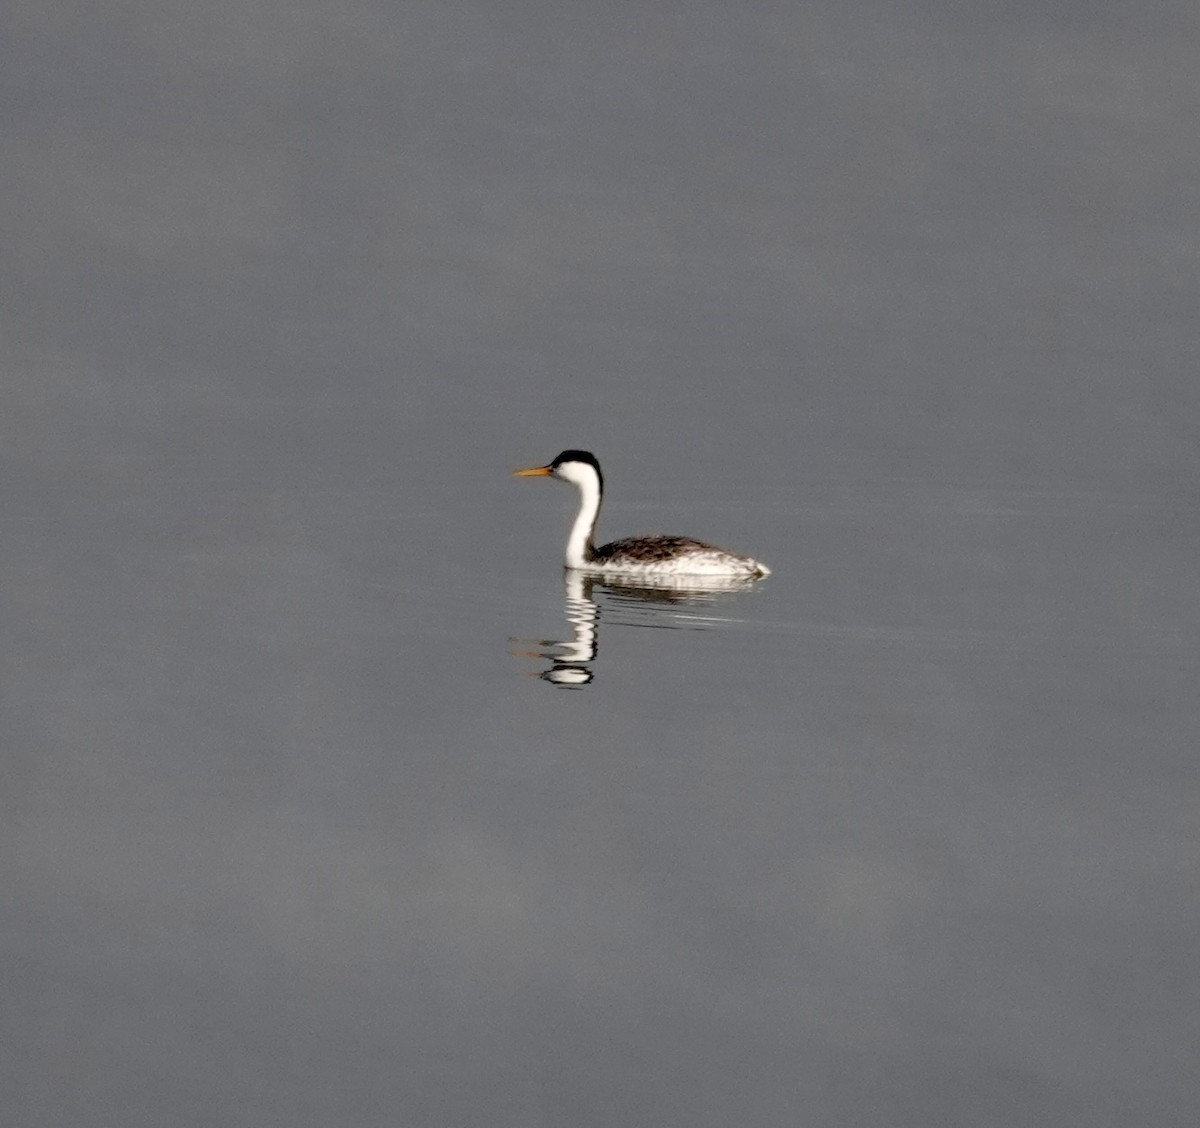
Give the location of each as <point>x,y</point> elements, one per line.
<point>580,544</point>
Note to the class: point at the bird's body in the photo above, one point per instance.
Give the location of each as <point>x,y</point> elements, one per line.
<point>649,556</point>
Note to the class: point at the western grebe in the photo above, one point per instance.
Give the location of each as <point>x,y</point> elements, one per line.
<point>652,556</point>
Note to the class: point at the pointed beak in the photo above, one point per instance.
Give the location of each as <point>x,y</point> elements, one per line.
<point>534,472</point>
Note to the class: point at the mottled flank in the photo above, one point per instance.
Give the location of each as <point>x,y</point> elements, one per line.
<point>680,556</point>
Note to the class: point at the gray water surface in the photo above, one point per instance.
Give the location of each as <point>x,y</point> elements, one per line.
<point>297,831</point>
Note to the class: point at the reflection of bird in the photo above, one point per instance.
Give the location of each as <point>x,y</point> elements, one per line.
<point>654,556</point>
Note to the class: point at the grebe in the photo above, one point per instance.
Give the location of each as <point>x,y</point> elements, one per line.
<point>654,556</point>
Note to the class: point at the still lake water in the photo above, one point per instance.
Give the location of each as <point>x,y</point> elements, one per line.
<point>300,832</point>
<point>329,802</point>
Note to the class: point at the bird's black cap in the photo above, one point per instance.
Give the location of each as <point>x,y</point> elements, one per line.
<point>576,456</point>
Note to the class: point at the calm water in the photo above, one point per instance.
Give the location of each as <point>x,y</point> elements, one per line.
<point>328,802</point>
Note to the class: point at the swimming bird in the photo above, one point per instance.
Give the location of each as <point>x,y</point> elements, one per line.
<point>650,556</point>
